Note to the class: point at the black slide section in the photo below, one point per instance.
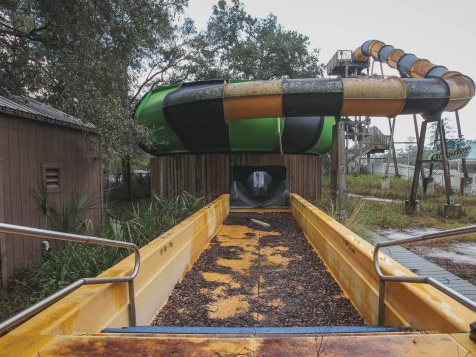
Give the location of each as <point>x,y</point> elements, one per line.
<point>315,96</point>
<point>426,96</point>
<point>195,113</point>
<point>300,134</point>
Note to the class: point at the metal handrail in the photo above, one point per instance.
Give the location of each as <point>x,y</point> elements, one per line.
<point>47,234</point>
<point>419,279</point>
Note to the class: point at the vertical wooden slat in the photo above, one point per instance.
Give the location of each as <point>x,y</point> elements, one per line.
<point>29,244</point>
<point>41,155</point>
<point>33,173</point>
<point>3,242</point>
<point>3,188</point>
<point>14,202</point>
<point>171,179</point>
<point>7,251</point>
<point>209,175</point>
<point>163,169</point>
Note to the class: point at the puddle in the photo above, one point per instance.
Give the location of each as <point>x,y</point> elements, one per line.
<point>394,234</point>
<point>458,252</point>
<point>461,252</point>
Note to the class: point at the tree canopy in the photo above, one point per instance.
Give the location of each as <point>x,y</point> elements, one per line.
<point>84,57</point>
<point>236,45</point>
<point>94,59</point>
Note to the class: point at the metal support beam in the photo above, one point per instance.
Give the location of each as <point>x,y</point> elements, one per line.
<point>418,164</point>
<point>460,136</point>
<point>417,136</point>
<point>444,162</point>
<point>391,151</point>
<point>334,166</point>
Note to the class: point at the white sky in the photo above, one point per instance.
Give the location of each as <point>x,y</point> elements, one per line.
<point>441,31</point>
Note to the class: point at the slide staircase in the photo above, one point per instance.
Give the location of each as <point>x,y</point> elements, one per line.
<point>374,142</point>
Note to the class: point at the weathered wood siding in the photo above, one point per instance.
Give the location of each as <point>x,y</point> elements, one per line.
<point>210,175</point>
<point>203,175</point>
<point>27,148</point>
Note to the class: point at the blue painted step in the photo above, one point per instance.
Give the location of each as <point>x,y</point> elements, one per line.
<point>308,330</point>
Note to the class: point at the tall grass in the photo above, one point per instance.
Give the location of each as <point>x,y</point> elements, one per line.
<point>146,219</point>
<point>139,223</point>
<point>364,215</point>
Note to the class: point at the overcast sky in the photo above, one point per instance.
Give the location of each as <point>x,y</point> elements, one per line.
<point>441,31</point>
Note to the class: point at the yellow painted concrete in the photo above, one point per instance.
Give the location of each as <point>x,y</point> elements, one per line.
<point>92,308</point>
<point>71,327</point>
<point>349,258</point>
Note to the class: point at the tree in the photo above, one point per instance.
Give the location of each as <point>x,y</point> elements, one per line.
<point>432,131</point>
<point>94,59</point>
<point>238,46</point>
<point>407,155</point>
<point>84,57</point>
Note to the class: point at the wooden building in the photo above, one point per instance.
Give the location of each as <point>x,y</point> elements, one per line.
<point>42,147</point>
<point>210,175</point>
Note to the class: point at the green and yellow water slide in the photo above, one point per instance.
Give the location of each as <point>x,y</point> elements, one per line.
<point>294,116</point>
<point>404,314</point>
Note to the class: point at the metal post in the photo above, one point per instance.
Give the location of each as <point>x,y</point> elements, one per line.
<point>417,136</point>
<point>444,162</point>
<point>381,303</point>
<point>391,152</point>
<point>418,163</point>
<point>460,136</point>
<point>132,304</point>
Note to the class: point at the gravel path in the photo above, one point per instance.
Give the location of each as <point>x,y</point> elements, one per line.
<point>253,276</point>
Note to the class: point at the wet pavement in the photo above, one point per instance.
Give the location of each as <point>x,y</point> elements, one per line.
<point>463,252</point>
<point>460,252</point>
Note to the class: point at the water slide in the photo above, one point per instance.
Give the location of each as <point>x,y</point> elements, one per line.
<point>295,116</point>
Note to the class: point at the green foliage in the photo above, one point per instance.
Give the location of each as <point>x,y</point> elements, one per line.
<point>67,218</point>
<point>85,57</point>
<point>239,46</point>
<point>355,211</point>
<point>363,215</point>
<point>147,220</point>
<point>371,185</point>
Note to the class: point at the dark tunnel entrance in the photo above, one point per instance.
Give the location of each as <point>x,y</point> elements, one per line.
<point>259,186</point>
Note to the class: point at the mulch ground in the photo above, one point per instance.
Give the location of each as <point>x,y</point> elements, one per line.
<point>258,276</point>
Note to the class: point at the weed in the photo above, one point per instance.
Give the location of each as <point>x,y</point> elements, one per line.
<point>140,224</point>
<point>363,217</point>
<point>67,218</point>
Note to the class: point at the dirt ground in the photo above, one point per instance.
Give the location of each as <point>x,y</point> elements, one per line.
<point>256,276</point>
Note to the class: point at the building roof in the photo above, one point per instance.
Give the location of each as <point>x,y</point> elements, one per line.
<point>32,109</point>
